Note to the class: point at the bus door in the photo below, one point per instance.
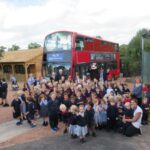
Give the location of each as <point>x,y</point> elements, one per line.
<point>55,67</point>
<point>82,69</point>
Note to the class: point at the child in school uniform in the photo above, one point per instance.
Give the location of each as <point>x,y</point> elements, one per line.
<point>89,113</point>
<point>44,109</point>
<point>112,114</point>
<point>128,114</point>
<point>16,109</point>
<point>4,91</point>
<point>72,99</point>
<point>30,111</point>
<point>145,108</point>
<point>23,104</point>
<point>72,121</point>
<point>64,116</point>
<point>53,110</point>
<point>66,101</point>
<point>103,113</point>
<point>120,118</point>
<point>96,108</point>
<point>79,99</point>
<point>81,124</point>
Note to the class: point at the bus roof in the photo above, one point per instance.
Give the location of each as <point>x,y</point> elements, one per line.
<point>73,32</point>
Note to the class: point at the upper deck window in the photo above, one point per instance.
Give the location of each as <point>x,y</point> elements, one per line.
<point>116,46</point>
<point>79,43</point>
<point>58,41</point>
<point>89,40</point>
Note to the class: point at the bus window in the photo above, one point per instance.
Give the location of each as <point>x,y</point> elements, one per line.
<point>54,67</point>
<point>116,46</point>
<point>79,43</point>
<point>81,69</point>
<point>89,40</point>
<point>58,41</point>
<point>114,65</point>
<point>111,65</point>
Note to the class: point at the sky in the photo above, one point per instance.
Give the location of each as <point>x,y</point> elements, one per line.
<point>26,21</point>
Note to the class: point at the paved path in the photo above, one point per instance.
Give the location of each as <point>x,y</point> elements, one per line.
<point>103,141</point>
<point>9,130</point>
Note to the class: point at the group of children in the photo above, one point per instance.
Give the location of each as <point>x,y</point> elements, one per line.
<point>83,106</point>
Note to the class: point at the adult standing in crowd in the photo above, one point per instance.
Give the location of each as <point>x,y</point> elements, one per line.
<point>60,75</point>
<point>14,83</point>
<point>1,103</point>
<point>94,71</point>
<point>137,90</point>
<point>30,83</point>
<point>135,125</point>
<point>31,80</point>
<point>4,89</point>
<point>102,75</point>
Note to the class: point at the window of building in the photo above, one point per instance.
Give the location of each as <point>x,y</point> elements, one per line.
<point>7,69</point>
<point>20,69</point>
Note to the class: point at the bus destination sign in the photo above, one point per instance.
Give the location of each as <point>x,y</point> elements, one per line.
<point>102,56</point>
<point>59,57</point>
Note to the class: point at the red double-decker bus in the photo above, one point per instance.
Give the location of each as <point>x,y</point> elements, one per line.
<point>74,52</point>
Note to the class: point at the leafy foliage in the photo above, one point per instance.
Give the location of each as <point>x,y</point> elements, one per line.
<point>99,37</point>
<point>33,45</point>
<point>131,54</point>
<point>14,47</point>
<point>2,49</point>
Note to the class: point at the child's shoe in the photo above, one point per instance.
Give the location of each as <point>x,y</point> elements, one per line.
<point>46,123</point>
<point>82,140</point>
<point>19,123</point>
<point>33,125</point>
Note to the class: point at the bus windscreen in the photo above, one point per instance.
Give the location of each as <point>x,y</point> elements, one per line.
<point>59,41</point>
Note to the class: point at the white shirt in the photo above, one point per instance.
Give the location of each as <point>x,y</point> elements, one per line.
<point>109,90</point>
<point>137,124</point>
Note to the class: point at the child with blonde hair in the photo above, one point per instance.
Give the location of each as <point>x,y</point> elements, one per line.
<point>44,109</point>
<point>73,121</point>
<point>96,108</point>
<point>81,124</point>
<point>64,116</point>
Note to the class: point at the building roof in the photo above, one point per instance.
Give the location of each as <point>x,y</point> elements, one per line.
<point>21,55</point>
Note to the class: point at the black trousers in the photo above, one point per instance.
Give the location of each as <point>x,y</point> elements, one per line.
<point>125,127</point>
<point>53,120</point>
<point>91,127</point>
<point>112,124</point>
<point>145,117</point>
<point>139,101</point>
<point>131,131</point>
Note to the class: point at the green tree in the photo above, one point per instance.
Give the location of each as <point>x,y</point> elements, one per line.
<point>14,47</point>
<point>99,37</point>
<point>123,50</point>
<point>2,49</point>
<point>132,56</point>
<point>33,45</point>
